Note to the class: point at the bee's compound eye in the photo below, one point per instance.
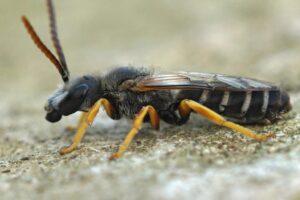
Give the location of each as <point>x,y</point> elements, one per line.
<point>79,91</point>
<point>53,116</point>
<point>72,102</point>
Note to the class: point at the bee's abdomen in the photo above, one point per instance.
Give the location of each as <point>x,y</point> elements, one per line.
<point>246,106</point>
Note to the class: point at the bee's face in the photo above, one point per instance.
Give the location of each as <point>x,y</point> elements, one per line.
<point>65,102</point>
<point>71,98</point>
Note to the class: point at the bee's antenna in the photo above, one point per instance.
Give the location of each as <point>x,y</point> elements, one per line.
<point>55,39</point>
<point>44,49</point>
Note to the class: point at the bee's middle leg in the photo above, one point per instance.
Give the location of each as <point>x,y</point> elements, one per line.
<point>137,124</point>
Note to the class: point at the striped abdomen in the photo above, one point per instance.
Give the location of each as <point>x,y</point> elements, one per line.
<point>243,106</point>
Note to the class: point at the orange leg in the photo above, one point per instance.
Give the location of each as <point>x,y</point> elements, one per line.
<point>95,109</point>
<point>186,106</point>
<point>87,119</point>
<point>137,124</point>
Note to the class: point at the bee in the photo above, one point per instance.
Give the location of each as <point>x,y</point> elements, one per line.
<point>142,95</point>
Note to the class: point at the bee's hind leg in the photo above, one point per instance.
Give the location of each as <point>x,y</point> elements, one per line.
<point>137,124</point>
<point>87,119</point>
<point>186,106</point>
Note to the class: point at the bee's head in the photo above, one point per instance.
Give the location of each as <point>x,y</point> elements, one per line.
<point>77,95</point>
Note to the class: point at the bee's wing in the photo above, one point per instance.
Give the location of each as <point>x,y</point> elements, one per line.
<point>195,80</point>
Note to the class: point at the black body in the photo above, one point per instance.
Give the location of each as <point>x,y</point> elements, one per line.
<point>128,89</point>
<point>135,92</point>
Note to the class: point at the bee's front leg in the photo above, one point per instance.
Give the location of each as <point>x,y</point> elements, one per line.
<point>81,130</point>
<point>85,121</point>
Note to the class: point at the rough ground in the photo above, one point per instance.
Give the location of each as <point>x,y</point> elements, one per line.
<point>195,161</point>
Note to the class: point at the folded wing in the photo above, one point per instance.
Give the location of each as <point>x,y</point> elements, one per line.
<point>196,80</point>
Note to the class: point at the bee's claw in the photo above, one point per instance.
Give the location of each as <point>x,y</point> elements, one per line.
<point>114,157</point>
<point>270,135</point>
<point>66,150</point>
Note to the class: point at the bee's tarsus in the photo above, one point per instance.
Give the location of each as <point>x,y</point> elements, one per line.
<point>81,130</point>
